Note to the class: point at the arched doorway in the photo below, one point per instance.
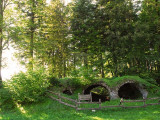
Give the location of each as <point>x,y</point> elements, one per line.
<point>98,91</point>
<point>129,91</point>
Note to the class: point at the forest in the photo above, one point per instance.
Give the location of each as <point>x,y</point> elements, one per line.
<point>75,43</point>
<point>102,38</point>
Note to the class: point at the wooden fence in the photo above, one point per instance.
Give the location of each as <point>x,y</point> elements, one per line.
<point>76,103</point>
<point>144,101</point>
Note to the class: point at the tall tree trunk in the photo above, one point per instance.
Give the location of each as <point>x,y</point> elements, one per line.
<point>115,64</point>
<point>64,67</point>
<point>85,59</point>
<point>1,38</point>
<point>32,35</point>
<point>102,67</point>
<point>74,61</point>
<point>74,58</point>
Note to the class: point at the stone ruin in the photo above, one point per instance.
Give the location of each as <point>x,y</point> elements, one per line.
<point>128,89</point>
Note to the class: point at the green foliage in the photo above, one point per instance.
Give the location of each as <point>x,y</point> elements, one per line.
<point>28,87</point>
<point>73,83</point>
<point>100,90</point>
<point>113,36</point>
<point>6,101</point>
<point>85,73</point>
<point>53,81</point>
<point>148,83</point>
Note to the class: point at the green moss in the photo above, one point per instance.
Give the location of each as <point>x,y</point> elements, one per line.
<point>112,83</point>
<point>149,84</point>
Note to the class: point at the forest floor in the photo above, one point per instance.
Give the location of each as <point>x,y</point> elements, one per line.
<point>53,110</point>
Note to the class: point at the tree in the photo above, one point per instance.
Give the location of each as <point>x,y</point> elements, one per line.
<point>3,5</point>
<point>28,32</point>
<point>55,44</point>
<point>149,30</point>
<point>83,29</point>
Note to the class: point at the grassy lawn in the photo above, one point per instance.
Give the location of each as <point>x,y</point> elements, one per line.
<point>52,110</point>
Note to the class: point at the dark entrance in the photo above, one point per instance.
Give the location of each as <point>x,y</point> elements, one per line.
<point>129,91</point>
<point>98,92</point>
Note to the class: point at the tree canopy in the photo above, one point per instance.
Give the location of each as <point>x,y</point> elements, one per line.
<point>86,38</point>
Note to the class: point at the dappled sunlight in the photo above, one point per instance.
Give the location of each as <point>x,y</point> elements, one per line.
<point>156,112</point>
<point>21,109</point>
<point>143,112</point>
<point>79,114</point>
<point>97,118</point>
<point>143,119</point>
<point>1,118</point>
<point>44,116</point>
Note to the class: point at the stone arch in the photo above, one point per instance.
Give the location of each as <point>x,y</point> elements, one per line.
<point>96,97</point>
<point>129,89</point>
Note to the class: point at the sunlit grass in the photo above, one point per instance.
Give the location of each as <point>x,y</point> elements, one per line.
<point>97,118</point>
<point>53,110</point>
<point>21,108</point>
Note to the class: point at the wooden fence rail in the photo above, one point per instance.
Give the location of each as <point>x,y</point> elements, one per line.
<point>76,103</point>
<point>153,98</point>
<point>144,102</point>
<point>60,98</point>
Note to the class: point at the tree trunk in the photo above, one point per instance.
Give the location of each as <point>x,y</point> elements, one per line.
<point>32,35</point>
<point>85,59</point>
<point>102,67</point>
<point>1,38</point>
<point>64,67</point>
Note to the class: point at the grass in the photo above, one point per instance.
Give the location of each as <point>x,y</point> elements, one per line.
<point>112,83</point>
<point>118,80</point>
<point>52,110</point>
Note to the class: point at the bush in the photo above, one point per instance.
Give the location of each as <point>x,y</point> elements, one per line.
<point>53,81</point>
<point>28,87</point>
<point>85,75</point>
<point>73,83</point>
<point>6,101</point>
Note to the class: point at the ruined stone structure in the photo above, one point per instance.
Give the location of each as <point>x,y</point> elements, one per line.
<point>128,89</point>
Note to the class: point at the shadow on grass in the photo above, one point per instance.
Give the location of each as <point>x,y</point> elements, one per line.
<point>52,110</point>
<point>17,113</point>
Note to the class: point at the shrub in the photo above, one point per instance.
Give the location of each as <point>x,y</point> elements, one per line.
<point>29,86</point>
<point>85,75</point>
<point>53,81</point>
<point>73,83</point>
<point>6,101</point>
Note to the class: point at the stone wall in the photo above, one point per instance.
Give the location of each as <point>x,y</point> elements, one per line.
<point>113,92</point>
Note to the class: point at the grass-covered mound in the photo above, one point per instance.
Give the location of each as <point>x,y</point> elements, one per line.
<point>118,80</point>
<point>78,83</point>
<point>128,87</point>
<point>149,84</point>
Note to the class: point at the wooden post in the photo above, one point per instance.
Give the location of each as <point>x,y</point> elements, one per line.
<point>78,99</point>
<point>76,104</point>
<point>144,102</point>
<point>91,96</point>
<point>121,102</point>
<point>99,103</point>
<point>59,97</point>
